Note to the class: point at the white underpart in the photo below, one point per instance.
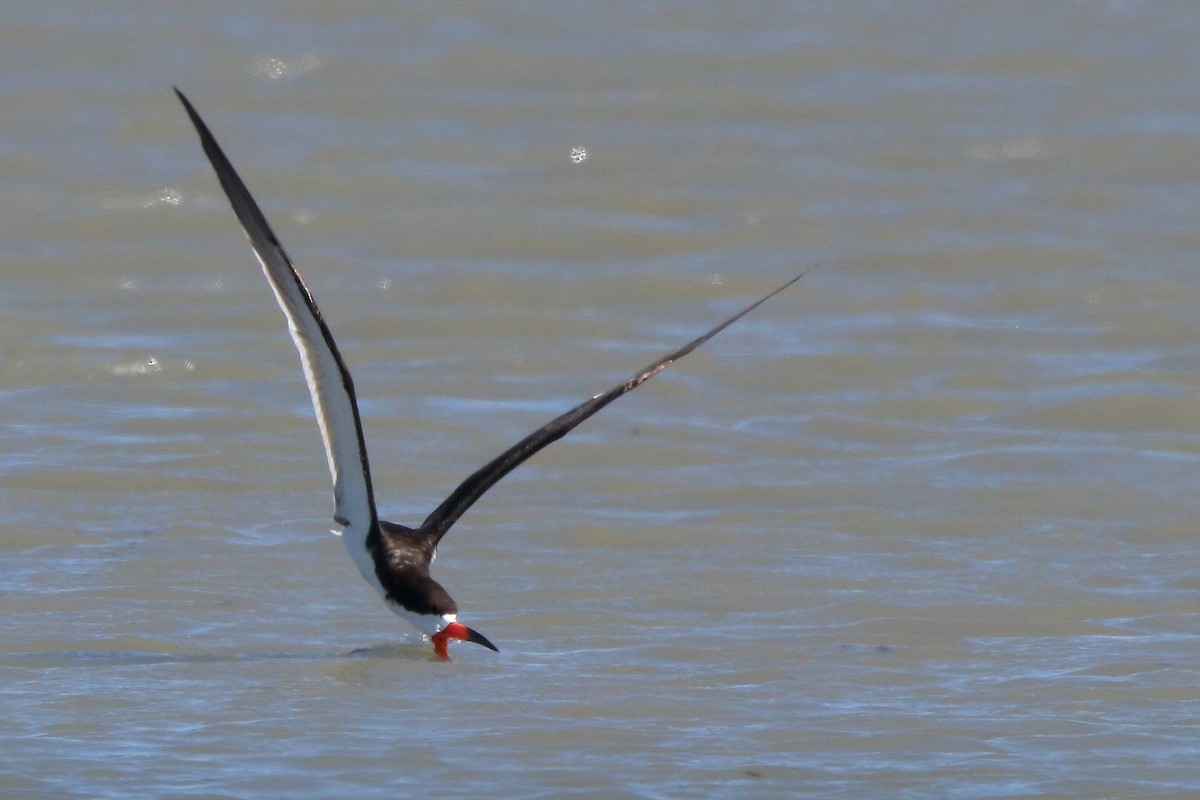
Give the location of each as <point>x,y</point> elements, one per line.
<point>427,624</point>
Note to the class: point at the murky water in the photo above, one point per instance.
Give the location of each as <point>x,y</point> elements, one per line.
<point>924,526</point>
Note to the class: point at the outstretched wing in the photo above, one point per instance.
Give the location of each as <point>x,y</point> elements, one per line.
<point>454,506</point>
<point>328,379</point>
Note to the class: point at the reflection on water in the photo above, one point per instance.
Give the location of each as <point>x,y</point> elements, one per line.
<point>89,659</point>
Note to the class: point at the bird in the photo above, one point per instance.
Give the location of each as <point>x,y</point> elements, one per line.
<point>393,558</point>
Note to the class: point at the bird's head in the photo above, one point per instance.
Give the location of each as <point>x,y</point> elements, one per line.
<point>456,630</point>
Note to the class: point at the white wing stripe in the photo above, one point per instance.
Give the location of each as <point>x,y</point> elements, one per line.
<point>329,382</point>
<point>332,404</point>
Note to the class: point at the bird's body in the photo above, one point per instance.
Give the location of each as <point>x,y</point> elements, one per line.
<point>393,558</point>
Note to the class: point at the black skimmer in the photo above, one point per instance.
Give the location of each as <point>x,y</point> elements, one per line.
<point>393,558</point>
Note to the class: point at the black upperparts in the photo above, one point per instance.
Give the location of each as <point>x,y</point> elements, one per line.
<point>470,490</point>
<point>402,557</point>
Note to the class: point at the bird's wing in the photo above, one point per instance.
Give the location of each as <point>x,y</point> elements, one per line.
<point>470,490</point>
<point>328,379</point>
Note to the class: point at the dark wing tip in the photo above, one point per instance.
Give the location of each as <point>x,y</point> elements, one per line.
<point>187,104</point>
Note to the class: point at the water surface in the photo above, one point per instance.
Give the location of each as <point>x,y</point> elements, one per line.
<point>924,526</point>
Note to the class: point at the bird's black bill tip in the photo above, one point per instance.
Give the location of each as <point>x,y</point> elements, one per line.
<point>478,638</point>
<point>456,630</point>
